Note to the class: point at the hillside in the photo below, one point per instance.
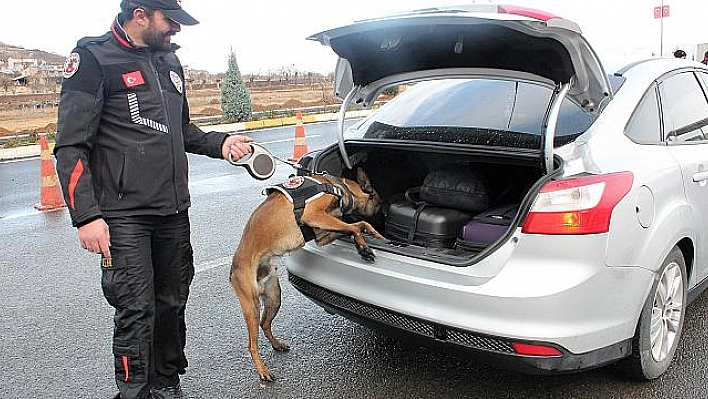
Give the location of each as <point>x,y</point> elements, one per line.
<point>10,51</point>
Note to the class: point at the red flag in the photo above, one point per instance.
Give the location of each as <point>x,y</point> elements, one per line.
<point>132,79</point>
<point>662,12</point>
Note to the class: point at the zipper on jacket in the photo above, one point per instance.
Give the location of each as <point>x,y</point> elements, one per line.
<point>121,178</point>
<point>171,132</point>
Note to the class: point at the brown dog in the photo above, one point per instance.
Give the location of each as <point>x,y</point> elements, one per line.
<point>272,230</point>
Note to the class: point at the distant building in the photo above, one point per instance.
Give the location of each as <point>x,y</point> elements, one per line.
<point>20,64</point>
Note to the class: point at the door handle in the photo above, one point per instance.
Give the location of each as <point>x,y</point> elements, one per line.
<point>700,176</point>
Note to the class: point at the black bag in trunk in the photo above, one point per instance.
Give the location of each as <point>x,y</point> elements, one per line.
<point>424,224</point>
<point>432,214</point>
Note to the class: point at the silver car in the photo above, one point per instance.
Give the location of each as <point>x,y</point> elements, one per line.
<point>606,244</point>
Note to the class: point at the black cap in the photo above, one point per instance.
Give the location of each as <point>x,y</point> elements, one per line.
<point>171,8</point>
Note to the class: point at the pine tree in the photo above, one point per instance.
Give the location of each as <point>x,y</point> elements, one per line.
<point>235,99</point>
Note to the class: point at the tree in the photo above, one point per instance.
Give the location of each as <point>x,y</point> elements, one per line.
<point>235,98</point>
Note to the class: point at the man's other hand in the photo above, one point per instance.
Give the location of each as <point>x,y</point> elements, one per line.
<point>94,237</point>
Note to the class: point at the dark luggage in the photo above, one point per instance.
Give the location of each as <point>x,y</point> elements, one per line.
<point>432,214</point>
<point>424,224</point>
<point>455,187</point>
<point>487,227</point>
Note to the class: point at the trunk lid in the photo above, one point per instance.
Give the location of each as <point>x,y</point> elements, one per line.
<point>479,40</point>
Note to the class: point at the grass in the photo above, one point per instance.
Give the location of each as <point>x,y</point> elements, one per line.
<point>25,139</point>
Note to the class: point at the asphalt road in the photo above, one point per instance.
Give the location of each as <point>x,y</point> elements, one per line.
<point>55,326</point>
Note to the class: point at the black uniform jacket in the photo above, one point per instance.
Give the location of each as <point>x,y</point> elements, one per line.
<point>123,131</point>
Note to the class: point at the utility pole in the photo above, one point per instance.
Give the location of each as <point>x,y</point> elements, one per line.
<point>662,12</point>
<point>661,39</point>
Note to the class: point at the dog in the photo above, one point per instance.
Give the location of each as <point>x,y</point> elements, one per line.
<point>273,229</point>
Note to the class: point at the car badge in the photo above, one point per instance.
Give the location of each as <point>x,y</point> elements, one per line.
<point>176,80</point>
<point>71,65</point>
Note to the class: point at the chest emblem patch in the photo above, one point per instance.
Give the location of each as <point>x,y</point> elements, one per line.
<point>132,79</point>
<point>294,182</point>
<point>177,81</point>
<point>71,65</point>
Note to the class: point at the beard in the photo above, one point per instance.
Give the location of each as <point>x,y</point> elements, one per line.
<point>157,40</point>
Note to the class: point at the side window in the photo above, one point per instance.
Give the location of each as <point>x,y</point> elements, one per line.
<point>644,125</point>
<point>685,109</point>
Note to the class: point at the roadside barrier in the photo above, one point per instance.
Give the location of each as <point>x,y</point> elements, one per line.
<point>50,197</point>
<point>300,146</point>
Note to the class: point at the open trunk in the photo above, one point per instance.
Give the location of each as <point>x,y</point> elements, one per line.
<point>399,173</point>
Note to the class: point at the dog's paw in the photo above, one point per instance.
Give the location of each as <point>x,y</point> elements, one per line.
<point>266,375</point>
<point>366,253</point>
<point>281,346</point>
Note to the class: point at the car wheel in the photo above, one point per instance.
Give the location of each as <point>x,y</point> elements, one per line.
<point>661,321</point>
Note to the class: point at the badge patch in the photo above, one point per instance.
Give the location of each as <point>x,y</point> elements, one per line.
<point>132,79</point>
<point>177,81</point>
<point>71,65</point>
<point>294,182</point>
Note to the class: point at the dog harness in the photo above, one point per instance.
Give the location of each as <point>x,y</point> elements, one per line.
<point>300,190</point>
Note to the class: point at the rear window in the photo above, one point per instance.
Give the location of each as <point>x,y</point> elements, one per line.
<point>484,112</point>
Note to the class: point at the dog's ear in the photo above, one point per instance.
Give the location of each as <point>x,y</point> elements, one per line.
<point>364,181</point>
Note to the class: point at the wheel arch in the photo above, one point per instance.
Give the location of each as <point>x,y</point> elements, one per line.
<point>688,250</point>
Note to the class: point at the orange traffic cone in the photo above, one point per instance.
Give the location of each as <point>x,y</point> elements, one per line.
<point>50,192</point>
<point>300,146</point>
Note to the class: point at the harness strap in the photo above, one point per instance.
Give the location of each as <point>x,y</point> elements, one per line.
<point>302,192</point>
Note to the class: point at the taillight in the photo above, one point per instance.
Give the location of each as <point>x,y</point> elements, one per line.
<point>535,350</point>
<point>578,205</point>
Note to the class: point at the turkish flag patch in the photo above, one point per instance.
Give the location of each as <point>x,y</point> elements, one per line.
<point>132,79</point>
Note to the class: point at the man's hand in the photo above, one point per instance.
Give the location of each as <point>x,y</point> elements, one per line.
<point>94,237</point>
<point>237,146</point>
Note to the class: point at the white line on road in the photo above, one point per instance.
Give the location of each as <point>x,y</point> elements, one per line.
<point>204,266</point>
<point>225,260</point>
<point>286,140</point>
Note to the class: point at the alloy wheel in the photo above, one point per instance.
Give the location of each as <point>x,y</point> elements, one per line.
<point>666,312</point>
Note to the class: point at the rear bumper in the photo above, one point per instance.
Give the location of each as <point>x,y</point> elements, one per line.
<point>493,350</point>
<point>571,301</point>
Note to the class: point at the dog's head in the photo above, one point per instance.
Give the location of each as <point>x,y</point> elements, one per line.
<point>366,201</point>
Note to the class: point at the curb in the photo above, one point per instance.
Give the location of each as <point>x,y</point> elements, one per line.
<point>31,151</point>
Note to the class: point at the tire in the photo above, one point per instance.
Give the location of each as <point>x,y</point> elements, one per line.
<point>661,321</point>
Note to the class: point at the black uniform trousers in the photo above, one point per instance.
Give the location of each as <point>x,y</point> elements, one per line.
<point>147,283</point>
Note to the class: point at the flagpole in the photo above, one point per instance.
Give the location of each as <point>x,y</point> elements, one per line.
<point>661,38</point>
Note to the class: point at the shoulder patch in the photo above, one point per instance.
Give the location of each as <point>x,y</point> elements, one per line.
<point>71,65</point>
<point>177,81</point>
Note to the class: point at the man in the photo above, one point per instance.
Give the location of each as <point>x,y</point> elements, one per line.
<point>122,139</point>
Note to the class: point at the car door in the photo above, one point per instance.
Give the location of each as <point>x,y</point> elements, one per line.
<point>684,110</point>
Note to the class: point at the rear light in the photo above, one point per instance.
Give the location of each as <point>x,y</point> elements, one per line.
<point>579,205</point>
<point>535,350</point>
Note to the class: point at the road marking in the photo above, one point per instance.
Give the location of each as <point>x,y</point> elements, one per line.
<point>204,266</point>
<point>286,140</point>
<point>223,261</point>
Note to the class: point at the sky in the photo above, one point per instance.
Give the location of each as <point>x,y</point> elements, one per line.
<point>268,35</point>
